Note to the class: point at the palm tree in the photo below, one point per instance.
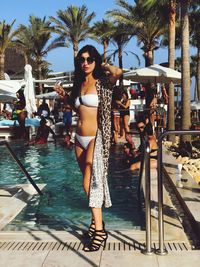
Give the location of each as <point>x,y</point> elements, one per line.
<point>146,25</point>
<point>195,41</point>
<point>102,31</point>
<point>7,35</point>
<point>24,42</point>
<point>186,120</point>
<point>169,7</point>
<point>72,25</point>
<point>120,38</point>
<point>33,40</point>
<point>143,23</point>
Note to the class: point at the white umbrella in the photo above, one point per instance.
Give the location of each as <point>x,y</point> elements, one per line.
<point>11,86</point>
<point>7,97</point>
<point>195,105</point>
<point>29,91</point>
<point>51,95</point>
<point>154,73</point>
<point>125,82</point>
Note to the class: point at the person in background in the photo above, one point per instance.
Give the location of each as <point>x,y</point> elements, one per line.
<point>43,133</point>
<point>143,126</point>
<point>124,106</point>
<point>67,117</point>
<point>43,109</point>
<point>7,110</point>
<point>55,112</point>
<point>115,117</point>
<point>91,98</point>
<point>20,105</point>
<point>67,141</point>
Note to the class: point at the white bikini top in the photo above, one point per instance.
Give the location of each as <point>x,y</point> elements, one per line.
<point>89,100</point>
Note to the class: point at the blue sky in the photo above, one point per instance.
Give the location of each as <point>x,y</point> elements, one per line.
<point>62,58</point>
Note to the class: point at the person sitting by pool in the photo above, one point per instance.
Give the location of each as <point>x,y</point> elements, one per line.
<point>43,109</point>
<point>145,130</point>
<point>67,141</point>
<point>129,153</point>
<point>43,133</point>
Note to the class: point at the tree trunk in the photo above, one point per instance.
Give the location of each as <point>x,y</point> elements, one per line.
<point>171,57</point>
<point>186,120</point>
<point>105,46</point>
<point>148,55</point>
<point>198,73</point>
<point>121,84</point>
<point>39,70</point>
<point>25,59</point>
<point>2,60</point>
<point>75,48</point>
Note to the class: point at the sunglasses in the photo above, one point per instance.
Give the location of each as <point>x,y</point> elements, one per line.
<point>89,60</point>
<point>141,127</point>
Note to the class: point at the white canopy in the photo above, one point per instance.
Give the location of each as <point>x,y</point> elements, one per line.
<point>11,86</point>
<point>51,95</point>
<point>154,73</point>
<point>195,105</point>
<point>125,82</point>
<point>7,97</point>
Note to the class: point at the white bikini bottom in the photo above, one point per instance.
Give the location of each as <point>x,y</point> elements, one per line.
<point>84,140</point>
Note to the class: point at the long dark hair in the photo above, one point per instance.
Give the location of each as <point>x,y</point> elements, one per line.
<point>21,103</point>
<point>79,76</point>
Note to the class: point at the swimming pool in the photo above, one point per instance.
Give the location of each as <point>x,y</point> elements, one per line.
<point>64,205</point>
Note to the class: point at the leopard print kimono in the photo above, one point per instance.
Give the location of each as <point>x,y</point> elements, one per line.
<point>99,191</point>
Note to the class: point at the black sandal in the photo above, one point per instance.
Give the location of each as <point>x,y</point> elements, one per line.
<point>99,240</point>
<point>90,232</point>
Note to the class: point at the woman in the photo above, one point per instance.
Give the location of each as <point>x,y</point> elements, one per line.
<point>21,112</point>
<point>124,105</point>
<point>145,129</point>
<point>115,118</point>
<point>91,96</point>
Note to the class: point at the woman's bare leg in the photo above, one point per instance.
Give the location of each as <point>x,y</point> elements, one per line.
<point>96,212</point>
<point>80,157</point>
<point>85,160</point>
<point>126,123</point>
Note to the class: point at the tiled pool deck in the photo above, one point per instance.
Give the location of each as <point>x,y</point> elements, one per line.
<point>124,248</point>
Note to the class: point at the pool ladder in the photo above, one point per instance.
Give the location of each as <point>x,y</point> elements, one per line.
<point>21,166</point>
<point>145,174</point>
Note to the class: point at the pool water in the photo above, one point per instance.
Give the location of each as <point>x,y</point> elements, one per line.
<point>64,205</point>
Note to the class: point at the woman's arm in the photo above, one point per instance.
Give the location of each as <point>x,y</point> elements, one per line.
<point>63,95</point>
<point>124,106</point>
<point>115,72</point>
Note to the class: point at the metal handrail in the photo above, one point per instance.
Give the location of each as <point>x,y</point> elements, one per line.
<point>146,165</point>
<point>21,166</point>
<point>162,250</point>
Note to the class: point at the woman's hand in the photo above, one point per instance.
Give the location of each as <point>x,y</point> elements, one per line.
<point>59,89</point>
<point>118,101</point>
<point>114,72</point>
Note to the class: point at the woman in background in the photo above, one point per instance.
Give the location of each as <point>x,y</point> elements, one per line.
<point>21,112</point>
<point>124,106</point>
